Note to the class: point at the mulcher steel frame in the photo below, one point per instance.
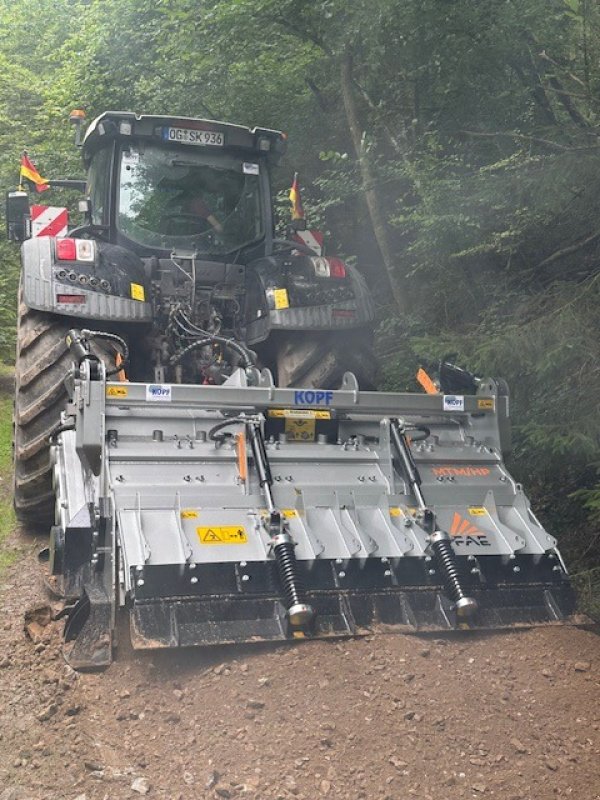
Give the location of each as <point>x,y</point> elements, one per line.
<point>159,514</point>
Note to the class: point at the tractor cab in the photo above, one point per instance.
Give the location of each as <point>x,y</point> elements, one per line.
<point>162,184</point>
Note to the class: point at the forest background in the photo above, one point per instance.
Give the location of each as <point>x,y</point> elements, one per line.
<point>450,147</point>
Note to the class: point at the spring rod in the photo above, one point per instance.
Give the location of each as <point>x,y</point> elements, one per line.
<point>446,561</point>
<point>300,613</point>
<point>440,541</point>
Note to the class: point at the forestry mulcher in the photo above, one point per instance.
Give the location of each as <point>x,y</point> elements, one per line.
<point>195,418</point>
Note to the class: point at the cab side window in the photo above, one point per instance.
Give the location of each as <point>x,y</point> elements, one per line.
<point>98,185</point>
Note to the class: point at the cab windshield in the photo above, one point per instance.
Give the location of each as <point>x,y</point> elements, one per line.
<point>202,201</point>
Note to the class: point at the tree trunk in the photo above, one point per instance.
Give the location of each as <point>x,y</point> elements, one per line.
<point>369,182</point>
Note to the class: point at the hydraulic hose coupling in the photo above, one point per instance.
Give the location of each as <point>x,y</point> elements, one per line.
<point>300,613</point>
<point>442,547</point>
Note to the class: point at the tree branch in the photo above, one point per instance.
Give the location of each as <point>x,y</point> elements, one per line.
<point>302,33</point>
<point>544,55</point>
<point>322,102</point>
<point>515,135</point>
<point>394,279</point>
<point>386,129</point>
<point>566,251</point>
<point>567,103</point>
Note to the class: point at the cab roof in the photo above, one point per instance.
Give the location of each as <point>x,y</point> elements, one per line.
<point>124,125</point>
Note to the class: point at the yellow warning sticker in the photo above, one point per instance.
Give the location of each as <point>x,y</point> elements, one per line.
<point>222,534</point>
<point>288,513</point>
<point>281,299</point>
<point>298,413</point>
<point>137,292</point>
<point>477,511</point>
<point>188,513</point>
<point>396,512</point>
<point>116,391</point>
<point>300,430</point>
<point>486,402</point>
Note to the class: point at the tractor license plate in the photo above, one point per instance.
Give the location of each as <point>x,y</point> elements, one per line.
<point>193,136</point>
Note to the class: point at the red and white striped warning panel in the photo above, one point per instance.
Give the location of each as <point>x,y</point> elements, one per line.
<point>313,239</point>
<point>49,221</point>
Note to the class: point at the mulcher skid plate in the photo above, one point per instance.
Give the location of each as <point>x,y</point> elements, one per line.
<point>156,515</point>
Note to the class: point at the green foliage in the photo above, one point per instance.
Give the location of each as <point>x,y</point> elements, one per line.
<point>479,125</point>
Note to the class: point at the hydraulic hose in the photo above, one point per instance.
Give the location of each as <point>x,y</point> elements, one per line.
<point>110,337</point>
<point>248,359</point>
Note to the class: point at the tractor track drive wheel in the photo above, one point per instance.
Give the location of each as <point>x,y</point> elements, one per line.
<point>320,360</point>
<point>42,362</point>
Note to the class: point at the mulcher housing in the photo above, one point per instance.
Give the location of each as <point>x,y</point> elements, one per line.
<point>161,515</point>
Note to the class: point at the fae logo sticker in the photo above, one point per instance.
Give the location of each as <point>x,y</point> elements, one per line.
<point>454,402</point>
<point>310,398</point>
<point>158,392</point>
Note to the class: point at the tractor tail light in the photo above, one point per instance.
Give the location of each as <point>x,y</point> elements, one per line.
<point>328,267</point>
<point>337,268</point>
<point>68,249</point>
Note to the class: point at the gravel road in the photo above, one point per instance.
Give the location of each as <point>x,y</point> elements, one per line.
<point>513,716</point>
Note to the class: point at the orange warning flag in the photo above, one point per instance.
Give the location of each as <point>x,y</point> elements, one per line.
<point>426,382</point>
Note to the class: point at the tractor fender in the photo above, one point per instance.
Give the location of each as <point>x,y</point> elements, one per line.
<point>112,287</point>
<point>284,294</point>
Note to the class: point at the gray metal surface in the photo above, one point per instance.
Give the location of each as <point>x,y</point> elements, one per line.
<point>343,500</point>
<point>159,516</point>
<point>41,288</point>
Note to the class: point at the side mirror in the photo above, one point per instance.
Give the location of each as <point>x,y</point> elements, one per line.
<point>18,220</point>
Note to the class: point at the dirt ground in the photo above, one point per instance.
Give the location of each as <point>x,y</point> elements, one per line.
<point>512,716</point>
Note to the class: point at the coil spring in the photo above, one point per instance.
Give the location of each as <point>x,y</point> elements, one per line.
<point>447,564</point>
<point>286,562</point>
